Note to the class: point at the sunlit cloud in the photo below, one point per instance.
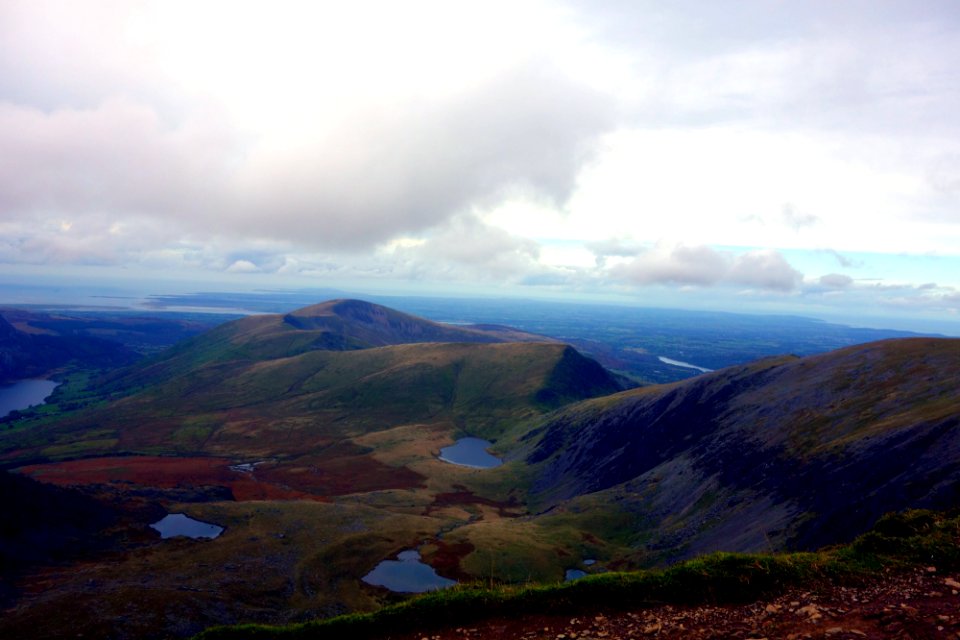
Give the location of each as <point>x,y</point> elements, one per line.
<point>556,144</point>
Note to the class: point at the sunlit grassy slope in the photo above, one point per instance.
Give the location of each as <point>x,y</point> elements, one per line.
<point>288,385</point>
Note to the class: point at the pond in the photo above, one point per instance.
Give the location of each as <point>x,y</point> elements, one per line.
<point>576,574</point>
<point>470,452</point>
<point>24,393</point>
<point>178,524</point>
<point>407,574</point>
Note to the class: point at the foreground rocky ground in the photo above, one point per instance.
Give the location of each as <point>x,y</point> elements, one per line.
<point>923,603</point>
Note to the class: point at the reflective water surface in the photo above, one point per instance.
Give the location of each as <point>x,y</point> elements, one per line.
<point>178,524</point>
<point>407,574</point>
<point>470,452</point>
<point>24,393</point>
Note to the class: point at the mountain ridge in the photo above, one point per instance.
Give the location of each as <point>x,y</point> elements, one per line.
<point>765,446</point>
<point>331,371</point>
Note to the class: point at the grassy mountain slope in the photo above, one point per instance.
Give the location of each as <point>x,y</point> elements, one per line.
<point>301,386</point>
<point>782,453</point>
<point>335,325</point>
<point>295,404</point>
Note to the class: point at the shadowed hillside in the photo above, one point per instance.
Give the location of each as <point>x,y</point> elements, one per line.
<point>23,355</point>
<point>781,453</point>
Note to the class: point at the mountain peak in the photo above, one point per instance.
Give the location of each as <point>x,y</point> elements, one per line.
<point>341,307</point>
<point>361,324</point>
<point>360,312</point>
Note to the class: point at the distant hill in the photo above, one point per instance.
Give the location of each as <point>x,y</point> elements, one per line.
<point>782,453</point>
<point>359,324</point>
<point>299,383</point>
<point>24,355</point>
<point>336,325</point>
<point>141,332</point>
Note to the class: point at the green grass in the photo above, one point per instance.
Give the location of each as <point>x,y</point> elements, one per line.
<point>897,541</point>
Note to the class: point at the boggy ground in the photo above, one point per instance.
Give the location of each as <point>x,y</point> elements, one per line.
<point>278,560</point>
<point>919,604</point>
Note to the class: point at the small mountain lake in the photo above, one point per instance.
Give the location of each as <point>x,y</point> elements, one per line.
<point>24,393</point>
<point>179,524</point>
<point>407,574</point>
<point>470,452</point>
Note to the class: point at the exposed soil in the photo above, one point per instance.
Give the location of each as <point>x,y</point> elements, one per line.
<point>917,605</point>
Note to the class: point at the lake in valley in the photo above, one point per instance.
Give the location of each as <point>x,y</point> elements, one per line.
<point>179,524</point>
<point>470,452</point>
<point>24,393</point>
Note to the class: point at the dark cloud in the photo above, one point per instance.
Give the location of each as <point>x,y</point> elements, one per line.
<point>406,170</point>
<point>389,172</point>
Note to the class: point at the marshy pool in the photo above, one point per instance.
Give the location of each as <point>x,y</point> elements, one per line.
<point>407,574</point>
<point>574,574</point>
<point>470,452</point>
<point>179,524</point>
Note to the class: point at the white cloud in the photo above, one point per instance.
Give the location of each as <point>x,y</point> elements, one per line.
<point>764,270</point>
<point>704,266</point>
<point>466,247</point>
<point>243,266</point>
<point>538,141</point>
<point>796,220</point>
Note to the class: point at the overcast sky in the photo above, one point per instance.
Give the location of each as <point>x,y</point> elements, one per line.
<point>741,154</point>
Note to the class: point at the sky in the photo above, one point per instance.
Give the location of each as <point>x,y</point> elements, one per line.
<point>757,155</point>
